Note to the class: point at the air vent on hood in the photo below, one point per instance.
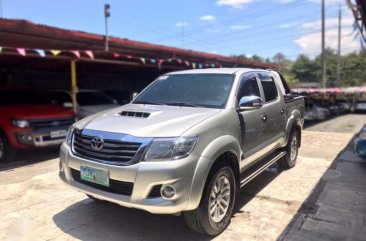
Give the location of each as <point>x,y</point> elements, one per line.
<point>135,114</point>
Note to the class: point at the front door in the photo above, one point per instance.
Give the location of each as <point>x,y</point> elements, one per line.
<point>253,128</point>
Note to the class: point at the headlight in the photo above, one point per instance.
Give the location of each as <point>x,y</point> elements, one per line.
<point>362,136</point>
<point>21,123</point>
<point>70,131</point>
<point>170,148</point>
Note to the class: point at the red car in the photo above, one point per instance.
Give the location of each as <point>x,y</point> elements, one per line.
<point>27,121</point>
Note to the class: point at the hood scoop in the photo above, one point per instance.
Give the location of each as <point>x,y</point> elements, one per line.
<point>136,114</point>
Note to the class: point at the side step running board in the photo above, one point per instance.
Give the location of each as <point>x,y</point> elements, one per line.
<point>259,167</point>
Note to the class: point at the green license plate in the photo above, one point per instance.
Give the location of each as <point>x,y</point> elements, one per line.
<point>94,175</point>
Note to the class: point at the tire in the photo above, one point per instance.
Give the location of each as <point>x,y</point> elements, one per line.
<point>200,220</point>
<point>6,152</point>
<point>292,150</point>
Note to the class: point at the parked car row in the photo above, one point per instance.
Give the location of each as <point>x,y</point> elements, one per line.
<point>318,110</point>
<point>31,119</point>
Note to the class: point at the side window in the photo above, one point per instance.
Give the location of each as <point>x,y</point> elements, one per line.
<point>269,87</point>
<point>248,87</point>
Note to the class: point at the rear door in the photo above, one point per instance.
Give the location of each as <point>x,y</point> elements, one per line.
<point>273,110</point>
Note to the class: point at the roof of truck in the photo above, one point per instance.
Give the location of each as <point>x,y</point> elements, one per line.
<point>216,71</point>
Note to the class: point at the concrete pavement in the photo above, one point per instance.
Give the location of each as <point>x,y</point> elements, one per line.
<point>316,200</point>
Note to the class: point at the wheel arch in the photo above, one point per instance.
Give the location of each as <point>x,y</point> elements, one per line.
<point>222,151</point>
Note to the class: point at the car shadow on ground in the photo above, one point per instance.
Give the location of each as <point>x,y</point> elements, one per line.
<point>311,223</point>
<point>98,220</point>
<point>26,158</point>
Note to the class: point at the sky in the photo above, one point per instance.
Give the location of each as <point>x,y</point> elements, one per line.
<point>226,27</point>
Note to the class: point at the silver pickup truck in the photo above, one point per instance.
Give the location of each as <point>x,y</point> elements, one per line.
<point>187,143</point>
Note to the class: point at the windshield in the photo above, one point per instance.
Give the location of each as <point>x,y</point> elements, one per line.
<point>93,98</point>
<point>195,90</point>
<point>21,97</point>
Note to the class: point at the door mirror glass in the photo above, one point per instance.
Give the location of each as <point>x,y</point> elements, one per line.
<point>134,94</point>
<point>250,103</point>
<point>67,104</point>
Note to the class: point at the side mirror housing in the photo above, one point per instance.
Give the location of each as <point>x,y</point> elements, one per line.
<point>67,104</point>
<point>250,103</point>
<point>134,94</point>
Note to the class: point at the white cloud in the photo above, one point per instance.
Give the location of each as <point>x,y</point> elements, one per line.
<point>240,27</point>
<point>288,25</point>
<point>286,1</point>
<point>310,43</point>
<point>208,18</point>
<point>329,23</point>
<point>181,24</point>
<point>233,3</point>
<point>328,2</point>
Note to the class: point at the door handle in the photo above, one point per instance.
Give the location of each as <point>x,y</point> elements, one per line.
<point>264,118</point>
<point>282,111</point>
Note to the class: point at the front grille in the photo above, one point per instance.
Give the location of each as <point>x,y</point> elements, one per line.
<point>114,151</point>
<point>119,187</point>
<point>51,123</point>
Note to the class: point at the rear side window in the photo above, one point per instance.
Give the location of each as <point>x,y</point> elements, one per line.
<point>269,87</point>
<point>248,87</point>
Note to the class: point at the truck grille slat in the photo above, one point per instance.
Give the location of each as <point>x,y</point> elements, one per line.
<point>114,152</point>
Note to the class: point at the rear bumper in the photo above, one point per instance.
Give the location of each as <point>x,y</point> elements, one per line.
<point>144,176</point>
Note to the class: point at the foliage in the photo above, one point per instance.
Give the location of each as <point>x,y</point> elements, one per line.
<point>305,69</point>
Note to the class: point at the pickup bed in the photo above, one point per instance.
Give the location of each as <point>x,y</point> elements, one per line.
<point>187,143</point>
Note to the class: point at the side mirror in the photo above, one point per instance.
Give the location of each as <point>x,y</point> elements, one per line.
<point>134,94</point>
<point>250,103</point>
<point>67,104</point>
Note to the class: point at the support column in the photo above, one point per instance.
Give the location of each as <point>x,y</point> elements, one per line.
<point>74,85</point>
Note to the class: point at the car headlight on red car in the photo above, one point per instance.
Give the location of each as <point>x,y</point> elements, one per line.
<point>21,123</point>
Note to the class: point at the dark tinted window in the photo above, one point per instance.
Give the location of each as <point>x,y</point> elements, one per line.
<point>206,90</point>
<point>248,87</point>
<point>93,98</point>
<point>269,87</point>
<point>58,98</point>
<point>21,97</point>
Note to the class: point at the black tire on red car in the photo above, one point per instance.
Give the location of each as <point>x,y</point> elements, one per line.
<point>6,152</point>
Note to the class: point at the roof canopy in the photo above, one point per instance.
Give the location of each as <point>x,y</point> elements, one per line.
<point>27,35</point>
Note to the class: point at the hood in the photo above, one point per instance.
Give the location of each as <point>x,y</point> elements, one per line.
<point>87,110</point>
<point>163,121</point>
<point>46,111</point>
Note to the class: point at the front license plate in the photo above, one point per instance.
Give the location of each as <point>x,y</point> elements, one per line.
<point>94,175</point>
<point>57,134</point>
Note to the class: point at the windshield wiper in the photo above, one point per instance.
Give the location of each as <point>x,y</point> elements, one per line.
<point>182,104</point>
<point>149,103</point>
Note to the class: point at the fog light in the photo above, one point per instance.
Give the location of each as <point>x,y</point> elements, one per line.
<point>167,192</point>
<point>26,138</point>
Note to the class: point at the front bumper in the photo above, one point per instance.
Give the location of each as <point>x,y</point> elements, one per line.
<point>42,138</point>
<point>144,176</point>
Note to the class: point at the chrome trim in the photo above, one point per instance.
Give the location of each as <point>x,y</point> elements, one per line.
<point>136,142</point>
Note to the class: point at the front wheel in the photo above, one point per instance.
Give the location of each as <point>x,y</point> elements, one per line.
<point>292,150</point>
<point>214,212</point>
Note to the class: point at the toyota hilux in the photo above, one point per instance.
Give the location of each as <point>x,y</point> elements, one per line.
<point>187,143</point>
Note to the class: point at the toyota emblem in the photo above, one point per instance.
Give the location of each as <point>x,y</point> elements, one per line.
<point>97,143</point>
